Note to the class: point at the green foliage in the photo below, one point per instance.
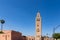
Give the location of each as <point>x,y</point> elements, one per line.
<point>56,35</point>
<point>1,32</point>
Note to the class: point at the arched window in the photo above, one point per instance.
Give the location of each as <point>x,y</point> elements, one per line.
<point>37,25</point>
<point>29,39</point>
<point>32,39</point>
<point>38,30</point>
<point>38,19</point>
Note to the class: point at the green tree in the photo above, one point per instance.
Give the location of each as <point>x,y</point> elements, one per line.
<point>56,36</point>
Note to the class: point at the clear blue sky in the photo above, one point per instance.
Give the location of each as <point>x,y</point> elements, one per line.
<point>20,15</point>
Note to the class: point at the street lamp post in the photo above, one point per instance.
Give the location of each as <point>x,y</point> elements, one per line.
<point>55,28</point>
<point>2,22</point>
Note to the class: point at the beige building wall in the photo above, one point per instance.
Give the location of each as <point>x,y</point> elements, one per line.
<point>6,35</point>
<point>51,38</point>
<point>10,35</point>
<point>30,38</point>
<point>2,37</point>
<point>46,38</point>
<point>24,38</point>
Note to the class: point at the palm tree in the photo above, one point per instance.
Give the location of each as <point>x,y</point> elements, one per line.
<point>2,22</point>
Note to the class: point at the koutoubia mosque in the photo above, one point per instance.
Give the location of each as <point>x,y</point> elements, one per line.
<point>38,27</point>
<point>14,35</point>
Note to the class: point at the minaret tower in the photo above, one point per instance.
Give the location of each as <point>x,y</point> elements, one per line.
<point>38,27</point>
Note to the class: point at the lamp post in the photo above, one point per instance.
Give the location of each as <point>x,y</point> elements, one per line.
<point>2,22</point>
<point>55,29</point>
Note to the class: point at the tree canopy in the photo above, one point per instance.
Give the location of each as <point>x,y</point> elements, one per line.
<point>56,35</point>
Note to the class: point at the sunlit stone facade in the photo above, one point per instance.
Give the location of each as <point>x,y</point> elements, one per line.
<point>30,38</point>
<point>38,27</point>
<point>10,35</point>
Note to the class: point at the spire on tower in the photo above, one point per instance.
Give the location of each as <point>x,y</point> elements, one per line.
<point>38,14</point>
<point>38,17</point>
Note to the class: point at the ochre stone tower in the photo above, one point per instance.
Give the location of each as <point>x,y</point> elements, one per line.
<point>38,27</point>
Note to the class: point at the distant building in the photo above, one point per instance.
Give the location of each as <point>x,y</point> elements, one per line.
<point>30,38</point>
<point>50,38</point>
<point>46,38</point>
<point>24,38</point>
